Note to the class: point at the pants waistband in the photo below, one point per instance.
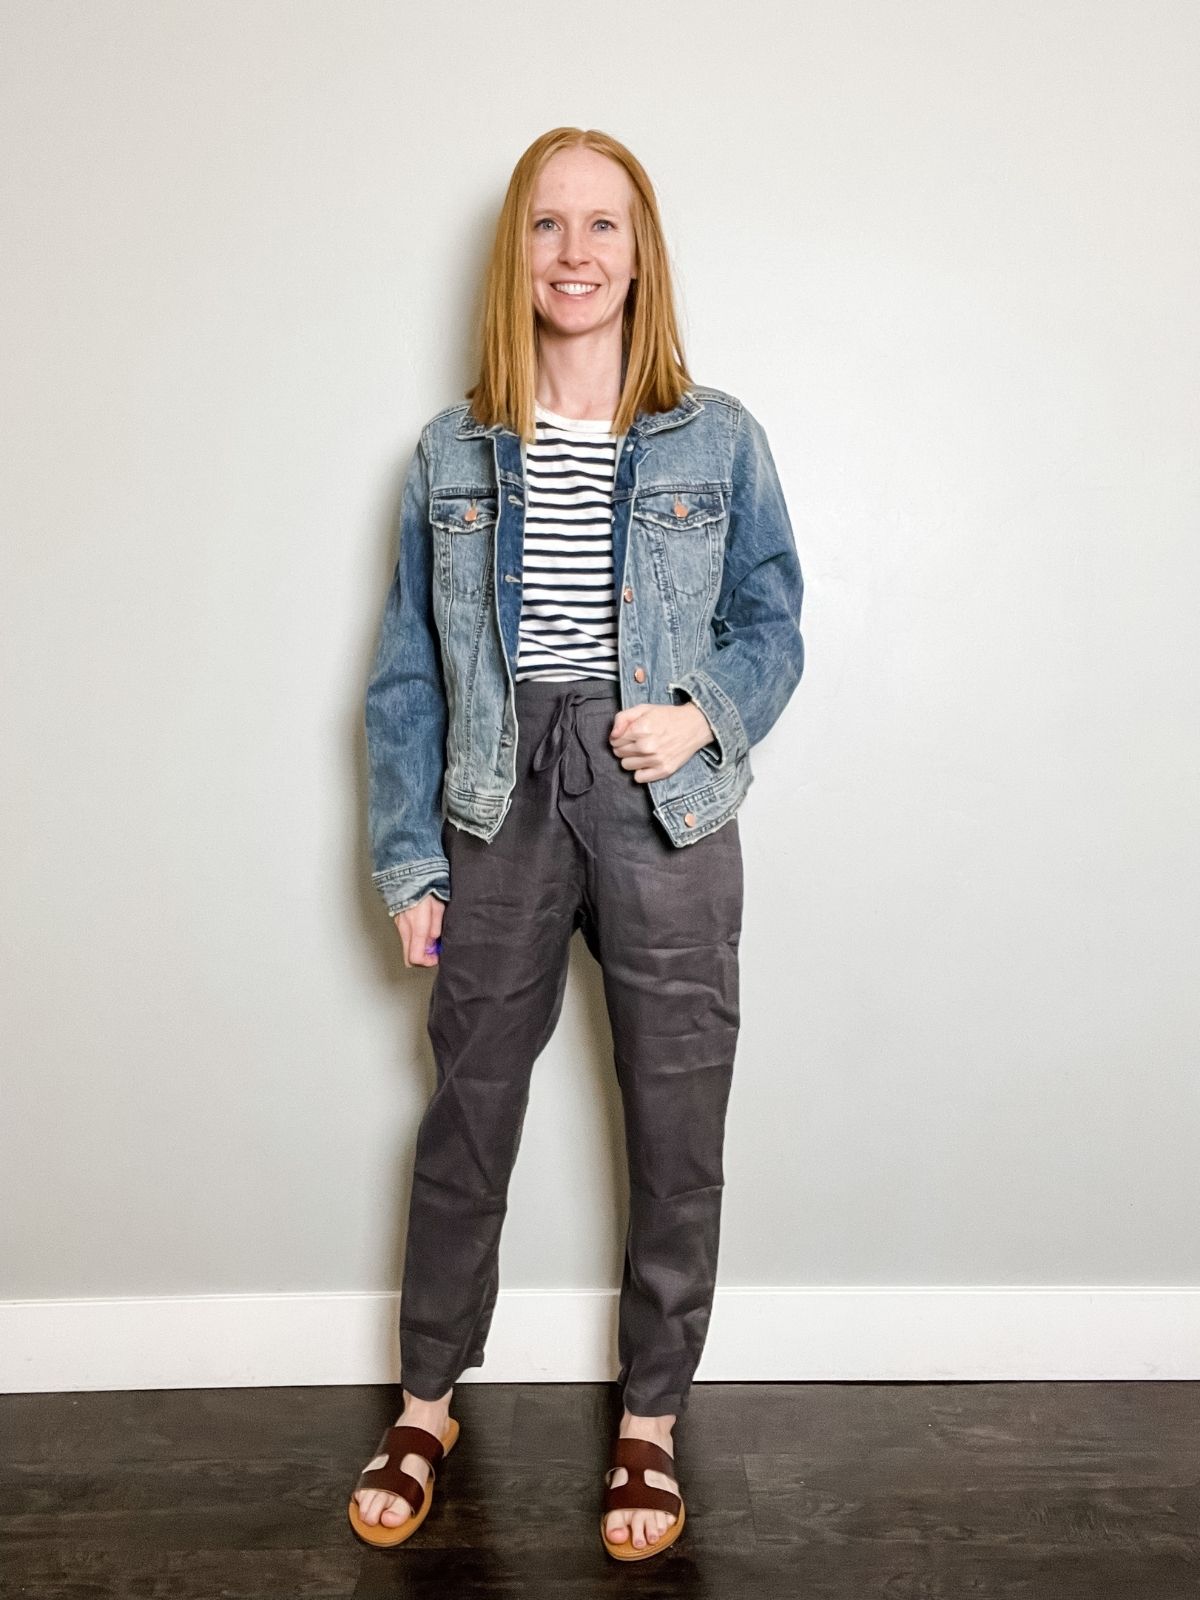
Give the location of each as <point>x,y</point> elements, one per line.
<point>544,691</point>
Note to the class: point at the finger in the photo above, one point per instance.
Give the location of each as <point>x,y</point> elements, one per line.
<point>431,947</point>
<point>418,940</point>
<point>623,720</point>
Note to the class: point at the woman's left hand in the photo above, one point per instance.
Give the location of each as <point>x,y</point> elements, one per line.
<point>653,741</point>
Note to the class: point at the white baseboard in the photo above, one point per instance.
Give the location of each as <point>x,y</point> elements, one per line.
<point>545,1336</point>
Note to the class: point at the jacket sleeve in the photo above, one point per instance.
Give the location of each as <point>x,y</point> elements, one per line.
<point>405,718</point>
<point>757,653</point>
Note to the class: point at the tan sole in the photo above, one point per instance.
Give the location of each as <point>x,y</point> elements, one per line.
<point>384,1536</point>
<point>627,1551</point>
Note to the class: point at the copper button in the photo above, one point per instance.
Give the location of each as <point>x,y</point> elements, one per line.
<point>689,820</point>
<point>469,516</point>
<point>626,593</point>
<point>639,674</point>
<point>679,509</point>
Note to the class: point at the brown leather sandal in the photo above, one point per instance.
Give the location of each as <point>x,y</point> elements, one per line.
<point>383,1472</point>
<point>635,1494</point>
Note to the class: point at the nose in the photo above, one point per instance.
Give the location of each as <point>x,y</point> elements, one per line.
<point>574,249</point>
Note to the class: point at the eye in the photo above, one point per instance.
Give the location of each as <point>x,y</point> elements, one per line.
<point>605,222</point>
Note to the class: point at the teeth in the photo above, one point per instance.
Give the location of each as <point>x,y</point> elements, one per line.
<point>574,288</point>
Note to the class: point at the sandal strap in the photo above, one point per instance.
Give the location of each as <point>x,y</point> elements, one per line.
<point>635,1455</point>
<point>397,1442</point>
<point>391,1480</point>
<point>635,1494</point>
<point>404,1439</point>
<point>639,1496</point>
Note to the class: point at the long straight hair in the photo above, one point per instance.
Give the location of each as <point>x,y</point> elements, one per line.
<point>654,374</point>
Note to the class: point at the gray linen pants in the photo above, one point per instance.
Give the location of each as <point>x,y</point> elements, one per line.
<point>579,849</point>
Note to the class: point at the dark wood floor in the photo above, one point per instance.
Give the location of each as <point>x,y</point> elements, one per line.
<point>1054,1491</point>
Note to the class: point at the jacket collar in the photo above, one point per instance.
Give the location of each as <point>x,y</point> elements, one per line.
<point>643,422</point>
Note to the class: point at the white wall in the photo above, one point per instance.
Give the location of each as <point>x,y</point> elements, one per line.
<point>947,254</point>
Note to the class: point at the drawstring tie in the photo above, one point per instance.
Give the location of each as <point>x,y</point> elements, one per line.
<point>563,751</point>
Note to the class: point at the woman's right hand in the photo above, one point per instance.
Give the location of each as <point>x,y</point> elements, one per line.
<point>420,927</point>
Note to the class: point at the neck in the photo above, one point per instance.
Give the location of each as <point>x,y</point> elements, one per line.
<point>580,376</point>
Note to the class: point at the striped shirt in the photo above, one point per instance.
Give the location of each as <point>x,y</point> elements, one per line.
<point>568,623</point>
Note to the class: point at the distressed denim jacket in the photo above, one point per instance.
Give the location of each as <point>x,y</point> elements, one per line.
<point>707,589</point>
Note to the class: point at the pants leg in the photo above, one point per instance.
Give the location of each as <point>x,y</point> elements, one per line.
<point>496,998</point>
<point>579,846</point>
<point>665,924</point>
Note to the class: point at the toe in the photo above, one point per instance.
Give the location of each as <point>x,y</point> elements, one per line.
<point>616,1524</point>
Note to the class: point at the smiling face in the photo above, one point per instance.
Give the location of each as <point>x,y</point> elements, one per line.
<point>581,246</point>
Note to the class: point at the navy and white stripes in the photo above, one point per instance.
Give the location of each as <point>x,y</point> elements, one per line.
<point>568,623</point>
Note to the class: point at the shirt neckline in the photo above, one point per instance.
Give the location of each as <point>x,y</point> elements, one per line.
<point>590,424</point>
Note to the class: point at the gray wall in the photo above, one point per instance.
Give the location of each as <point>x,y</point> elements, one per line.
<point>947,253</point>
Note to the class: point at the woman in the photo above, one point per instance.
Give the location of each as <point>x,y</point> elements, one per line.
<point>594,615</point>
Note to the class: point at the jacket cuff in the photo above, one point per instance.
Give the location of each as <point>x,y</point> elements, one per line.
<point>723,716</point>
<point>402,887</point>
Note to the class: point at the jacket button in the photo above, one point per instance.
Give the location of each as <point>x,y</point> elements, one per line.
<point>679,509</point>
<point>689,821</point>
<point>626,593</point>
<point>470,515</point>
<point>639,674</point>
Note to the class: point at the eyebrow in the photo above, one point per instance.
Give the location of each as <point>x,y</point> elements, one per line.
<point>602,211</point>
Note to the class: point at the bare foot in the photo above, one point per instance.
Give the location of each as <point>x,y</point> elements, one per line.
<point>645,1527</point>
<point>376,1505</point>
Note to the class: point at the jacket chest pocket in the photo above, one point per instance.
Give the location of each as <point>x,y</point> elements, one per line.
<point>463,525</point>
<point>686,526</point>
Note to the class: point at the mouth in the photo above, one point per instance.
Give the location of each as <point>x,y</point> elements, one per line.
<point>575,289</point>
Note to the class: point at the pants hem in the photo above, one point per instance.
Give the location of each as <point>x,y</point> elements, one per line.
<point>659,1406</point>
<point>435,1388</point>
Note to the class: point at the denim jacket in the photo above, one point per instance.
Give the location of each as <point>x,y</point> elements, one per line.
<point>707,589</point>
